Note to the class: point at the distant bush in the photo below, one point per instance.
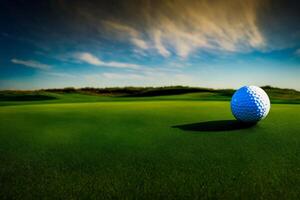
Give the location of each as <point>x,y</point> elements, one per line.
<point>23,96</point>
<point>276,94</point>
<point>62,90</point>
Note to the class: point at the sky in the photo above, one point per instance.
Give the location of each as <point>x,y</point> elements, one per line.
<point>205,43</point>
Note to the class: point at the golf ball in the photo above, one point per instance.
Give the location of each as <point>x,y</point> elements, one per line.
<point>250,104</point>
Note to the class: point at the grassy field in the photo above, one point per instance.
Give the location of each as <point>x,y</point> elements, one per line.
<point>83,146</point>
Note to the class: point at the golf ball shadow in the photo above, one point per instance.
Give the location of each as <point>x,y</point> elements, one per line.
<point>215,126</point>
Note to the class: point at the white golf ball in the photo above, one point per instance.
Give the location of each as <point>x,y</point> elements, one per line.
<point>250,104</point>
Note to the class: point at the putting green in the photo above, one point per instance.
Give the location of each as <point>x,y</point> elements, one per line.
<point>147,150</point>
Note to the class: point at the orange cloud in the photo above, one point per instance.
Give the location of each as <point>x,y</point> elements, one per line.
<point>186,26</point>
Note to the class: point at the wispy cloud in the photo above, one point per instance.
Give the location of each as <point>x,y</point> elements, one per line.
<point>297,52</point>
<point>182,28</point>
<point>93,60</point>
<point>31,63</point>
<point>157,39</point>
<point>125,31</point>
<point>60,74</point>
<point>142,78</point>
<point>120,76</point>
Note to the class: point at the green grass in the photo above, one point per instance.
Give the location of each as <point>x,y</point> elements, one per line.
<point>131,149</point>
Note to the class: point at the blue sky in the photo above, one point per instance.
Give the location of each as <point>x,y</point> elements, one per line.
<point>225,44</point>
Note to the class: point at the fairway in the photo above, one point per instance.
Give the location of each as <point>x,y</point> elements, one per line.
<point>147,150</point>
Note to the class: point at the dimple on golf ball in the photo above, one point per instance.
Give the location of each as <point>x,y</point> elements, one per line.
<point>250,104</point>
